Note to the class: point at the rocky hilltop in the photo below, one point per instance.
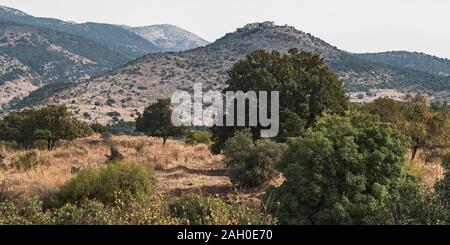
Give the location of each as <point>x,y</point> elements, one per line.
<point>120,94</point>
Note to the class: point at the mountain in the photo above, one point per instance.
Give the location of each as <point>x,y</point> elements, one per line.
<point>411,60</point>
<point>31,57</point>
<point>169,37</point>
<point>128,89</point>
<point>123,41</point>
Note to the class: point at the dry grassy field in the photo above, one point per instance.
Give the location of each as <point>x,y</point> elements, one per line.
<point>181,169</point>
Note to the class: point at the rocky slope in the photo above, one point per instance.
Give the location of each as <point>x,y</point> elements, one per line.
<point>128,89</point>
<point>121,40</point>
<point>32,57</point>
<point>169,37</point>
<point>411,60</point>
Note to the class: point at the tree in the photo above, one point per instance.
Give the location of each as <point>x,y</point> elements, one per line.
<point>426,128</point>
<point>54,123</point>
<point>51,123</point>
<point>307,88</point>
<point>251,164</point>
<point>156,121</point>
<point>342,171</point>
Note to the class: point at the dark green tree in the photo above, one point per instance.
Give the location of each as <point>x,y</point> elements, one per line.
<point>156,121</point>
<point>306,84</point>
<point>342,171</point>
<point>51,123</point>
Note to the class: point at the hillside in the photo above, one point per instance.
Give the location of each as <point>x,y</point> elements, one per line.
<point>119,39</point>
<point>169,37</point>
<point>411,60</point>
<point>128,89</point>
<point>32,57</point>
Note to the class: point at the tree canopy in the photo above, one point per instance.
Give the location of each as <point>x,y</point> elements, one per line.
<point>307,88</point>
<point>156,121</point>
<point>51,123</point>
<point>428,127</point>
<point>342,171</point>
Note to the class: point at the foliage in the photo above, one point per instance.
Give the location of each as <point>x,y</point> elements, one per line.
<point>114,156</point>
<point>122,128</point>
<point>198,137</point>
<point>307,88</point>
<point>426,128</point>
<point>156,121</point>
<point>51,123</point>
<point>142,210</point>
<point>107,184</point>
<point>2,160</point>
<point>196,210</point>
<point>341,171</point>
<point>28,161</point>
<point>98,128</point>
<point>249,163</point>
<point>443,186</point>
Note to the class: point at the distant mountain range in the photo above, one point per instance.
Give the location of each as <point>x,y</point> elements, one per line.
<point>100,70</point>
<point>35,52</point>
<point>169,37</point>
<point>411,60</point>
<point>131,87</point>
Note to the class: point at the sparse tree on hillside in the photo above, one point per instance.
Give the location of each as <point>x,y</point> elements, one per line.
<point>156,121</point>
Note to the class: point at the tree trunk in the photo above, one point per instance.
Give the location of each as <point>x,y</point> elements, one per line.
<point>164,140</point>
<point>51,144</point>
<point>414,153</point>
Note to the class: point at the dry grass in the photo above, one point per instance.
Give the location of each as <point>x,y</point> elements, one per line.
<point>181,169</point>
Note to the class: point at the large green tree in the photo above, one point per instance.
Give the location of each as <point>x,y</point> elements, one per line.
<point>156,121</point>
<point>51,123</point>
<point>342,171</point>
<point>306,84</point>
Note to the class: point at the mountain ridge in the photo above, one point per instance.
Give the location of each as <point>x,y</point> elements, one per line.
<point>129,88</point>
<point>169,38</point>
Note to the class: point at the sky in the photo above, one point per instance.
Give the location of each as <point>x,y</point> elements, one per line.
<point>352,25</point>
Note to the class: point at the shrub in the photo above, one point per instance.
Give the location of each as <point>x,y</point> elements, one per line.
<point>117,180</point>
<point>342,171</point>
<point>27,161</point>
<point>98,128</point>
<point>198,137</point>
<point>114,156</point>
<point>196,210</point>
<point>251,164</point>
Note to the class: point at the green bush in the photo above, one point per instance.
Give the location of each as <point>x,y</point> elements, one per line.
<point>116,180</point>
<point>98,128</point>
<point>198,137</point>
<point>142,210</point>
<point>251,164</point>
<point>196,210</point>
<point>342,171</point>
<point>27,161</point>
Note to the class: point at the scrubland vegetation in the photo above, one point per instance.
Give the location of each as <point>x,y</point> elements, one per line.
<point>333,162</point>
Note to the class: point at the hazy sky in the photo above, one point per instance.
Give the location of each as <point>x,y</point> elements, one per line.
<point>352,25</point>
